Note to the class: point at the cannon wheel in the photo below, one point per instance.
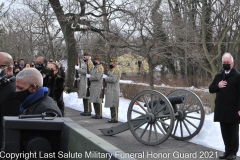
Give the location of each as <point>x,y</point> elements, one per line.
<point>189,116</point>
<point>150,117</point>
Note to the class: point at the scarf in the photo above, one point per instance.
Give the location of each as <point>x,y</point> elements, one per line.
<point>32,98</point>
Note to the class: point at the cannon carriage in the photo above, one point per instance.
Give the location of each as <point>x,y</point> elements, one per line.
<point>153,117</point>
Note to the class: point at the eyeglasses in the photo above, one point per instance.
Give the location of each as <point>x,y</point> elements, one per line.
<point>51,69</point>
<point>3,65</point>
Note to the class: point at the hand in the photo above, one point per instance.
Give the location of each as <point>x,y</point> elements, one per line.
<point>239,113</point>
<point>104,76</point>
<point>88,75</point>
<point>222,84</point>
<point>78,79</point>
<point>76,67</point>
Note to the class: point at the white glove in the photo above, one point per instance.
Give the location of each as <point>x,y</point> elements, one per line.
<point>104,76</point>
<point>88,75</point>
<point>76,67</point>
<point>78,79</point>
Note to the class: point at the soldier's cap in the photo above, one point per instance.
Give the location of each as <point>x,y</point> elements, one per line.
<point>97,58</point>
<point>113,59</point>
<point>87,54</point>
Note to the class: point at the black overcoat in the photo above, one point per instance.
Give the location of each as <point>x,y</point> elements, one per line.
<point>56,86</point>
<point>227,102</point>
<point>6,89</point>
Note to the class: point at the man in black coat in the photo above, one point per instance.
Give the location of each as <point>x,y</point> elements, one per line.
<point>7,85</point>
<point>226,85</point>
<point>41,65</point>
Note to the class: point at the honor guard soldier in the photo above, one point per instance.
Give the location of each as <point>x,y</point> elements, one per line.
<point>85,69</point>
<point>113,90</point>
<point>96,85</point>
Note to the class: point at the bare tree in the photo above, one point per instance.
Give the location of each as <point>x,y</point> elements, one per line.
<point>91,16</point>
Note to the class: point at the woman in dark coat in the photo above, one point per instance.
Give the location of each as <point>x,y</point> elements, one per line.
<point>56,85</point>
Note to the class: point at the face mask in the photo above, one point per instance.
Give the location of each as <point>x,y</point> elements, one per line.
<point>39,66</point>
<point>16,73</point>
<point>45,69</point>
<point>110,66</point>
<point>95,63</point>
<point>50,73</point>
<point>85,60</point>
<point>21,96</point>
<point>226,67</point>
<point>2,73</point>
<point>22,64</point>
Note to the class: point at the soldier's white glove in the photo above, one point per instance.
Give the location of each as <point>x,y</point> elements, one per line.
<point>76,67</point>
<point>88,75</point>
<point>78,79</point>
<point>104,76</point>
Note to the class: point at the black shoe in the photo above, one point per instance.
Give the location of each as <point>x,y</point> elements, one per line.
<point>224,156</point>
<point>112,121</point>
<point>82,113</point>
<point>97,117</point>
<point>231,157</point>
<point>86,113</point>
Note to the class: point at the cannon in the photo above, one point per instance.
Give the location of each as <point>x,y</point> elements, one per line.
<point>153,117</point>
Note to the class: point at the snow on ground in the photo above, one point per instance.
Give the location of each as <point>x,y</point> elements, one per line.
<point>209,136</point>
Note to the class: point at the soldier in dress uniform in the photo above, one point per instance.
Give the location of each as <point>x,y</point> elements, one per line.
<point>83,71</point>
<point>96,86</point>
<point>112,90</point>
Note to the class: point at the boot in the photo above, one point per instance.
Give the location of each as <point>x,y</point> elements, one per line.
<point>98,111</point>
<point>87,107</point>
<point>62,111</point>
<point>114,115</point>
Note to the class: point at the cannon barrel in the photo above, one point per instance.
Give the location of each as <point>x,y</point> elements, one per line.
<point>172,100</point>
<point>176,100</point>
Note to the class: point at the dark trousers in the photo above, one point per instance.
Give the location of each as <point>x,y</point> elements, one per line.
<point>87,105</point>
<point>114,113</point>
<point>230,135</point>
<point>98,109</point>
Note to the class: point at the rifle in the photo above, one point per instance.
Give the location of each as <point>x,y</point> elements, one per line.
<point>104,82</point>
<point>88,82</point>
<point>76,75</point>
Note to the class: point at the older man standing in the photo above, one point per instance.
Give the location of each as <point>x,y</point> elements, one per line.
<point>113,90</point>
<point>32,95</point>
<point>41,65</point>
<point>226,85</point>
<point>83,70</point>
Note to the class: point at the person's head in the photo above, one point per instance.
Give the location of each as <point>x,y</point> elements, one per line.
<point>32,64</point>
<point>40,63</point>
<point>86,56</point>
<point>113,63</point>
<point>53,69</point>
<point>21,63</point>
<point>50,61</point>
<point>29,79</point>
<point>16,64</point>
<point>6,65</point>
<point>27,65</point>
<point>227,61</point>
<point>97,60</point>
<point>16,70</point>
